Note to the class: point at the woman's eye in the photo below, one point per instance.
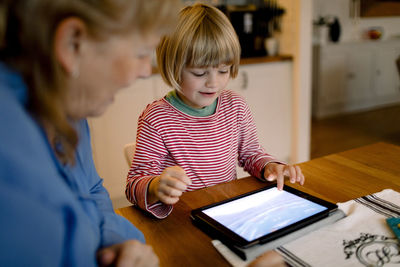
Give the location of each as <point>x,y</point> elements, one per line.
<point>223,71</point>
<point>142,56</point>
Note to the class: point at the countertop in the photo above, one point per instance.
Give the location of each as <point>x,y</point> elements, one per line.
<point>257,60</point>
<point>253,60</point>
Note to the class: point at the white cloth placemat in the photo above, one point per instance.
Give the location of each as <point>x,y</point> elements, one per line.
<point>360,239</point>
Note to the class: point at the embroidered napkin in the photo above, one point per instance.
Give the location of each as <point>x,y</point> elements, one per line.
<point>361,239</point>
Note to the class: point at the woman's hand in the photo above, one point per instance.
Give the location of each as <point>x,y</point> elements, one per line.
<point>276,171</point>
<point>169,186</point>
<point>268,259</point>
<point>129,253</point>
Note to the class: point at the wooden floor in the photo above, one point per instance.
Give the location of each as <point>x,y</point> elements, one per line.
<point>349,131</point>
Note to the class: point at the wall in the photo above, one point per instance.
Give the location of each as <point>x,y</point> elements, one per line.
<point>289,28</point>
<point>354,29</point>
<point>296,40</point>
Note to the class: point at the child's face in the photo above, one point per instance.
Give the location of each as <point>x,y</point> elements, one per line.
<point>201,86</point>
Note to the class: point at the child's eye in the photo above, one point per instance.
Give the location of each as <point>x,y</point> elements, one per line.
<point>223,71</point>
<point>198,74</point>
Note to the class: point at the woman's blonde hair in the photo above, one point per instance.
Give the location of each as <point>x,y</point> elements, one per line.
<point>203,37</point>
<point>27,29</point>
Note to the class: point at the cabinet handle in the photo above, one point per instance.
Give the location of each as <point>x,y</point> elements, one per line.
<point>350,75</point>
<point>245,79</point>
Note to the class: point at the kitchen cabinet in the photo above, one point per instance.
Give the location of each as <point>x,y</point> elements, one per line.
<point>266,87</point>
<point>267,90</point>
<point>387,77</point>
<point>354,76</point>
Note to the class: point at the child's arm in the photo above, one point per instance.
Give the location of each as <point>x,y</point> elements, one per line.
<point>149,163</point>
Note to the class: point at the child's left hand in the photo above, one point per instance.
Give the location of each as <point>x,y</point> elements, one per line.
<point>275,171</point>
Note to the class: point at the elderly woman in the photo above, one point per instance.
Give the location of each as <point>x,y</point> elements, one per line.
<point>62,61</point>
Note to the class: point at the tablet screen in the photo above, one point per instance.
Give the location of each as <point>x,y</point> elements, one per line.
<point>262,213</point>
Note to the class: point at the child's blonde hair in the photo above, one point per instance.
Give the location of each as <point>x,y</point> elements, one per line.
<point>204,37</point>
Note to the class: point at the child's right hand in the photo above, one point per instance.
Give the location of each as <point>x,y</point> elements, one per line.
<point>168,186</point>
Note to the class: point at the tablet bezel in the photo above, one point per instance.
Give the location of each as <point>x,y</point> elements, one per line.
<point>217,230</point>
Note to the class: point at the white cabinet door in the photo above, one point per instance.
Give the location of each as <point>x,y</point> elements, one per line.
<point>387,78</point>
<point>344,78</point>
<point>358,67</point>
<point>332,77</point>
<point>113,130</point>
<point>267,89</point>
<point>354,77</point>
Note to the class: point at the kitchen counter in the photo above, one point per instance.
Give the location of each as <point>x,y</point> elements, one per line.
<point>253,60</point>
<point>256,60</point>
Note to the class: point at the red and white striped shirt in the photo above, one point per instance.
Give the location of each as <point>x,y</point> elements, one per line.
<point>207,148</point>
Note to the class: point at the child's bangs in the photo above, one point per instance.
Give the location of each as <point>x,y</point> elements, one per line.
<point>211,49</point>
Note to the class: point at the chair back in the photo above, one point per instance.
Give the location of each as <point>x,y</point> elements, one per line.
<point>129,151</point>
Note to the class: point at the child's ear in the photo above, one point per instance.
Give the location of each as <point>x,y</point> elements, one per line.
<point>68,40</point>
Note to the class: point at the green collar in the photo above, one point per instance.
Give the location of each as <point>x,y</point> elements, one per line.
<point>173,98</point>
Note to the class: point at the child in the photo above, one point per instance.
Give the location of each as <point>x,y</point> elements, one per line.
<point>196,135</point>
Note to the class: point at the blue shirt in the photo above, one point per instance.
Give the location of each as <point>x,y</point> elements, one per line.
<point>50,214</point>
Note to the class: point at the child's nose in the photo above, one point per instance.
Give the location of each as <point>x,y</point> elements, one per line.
<point>211,81</point>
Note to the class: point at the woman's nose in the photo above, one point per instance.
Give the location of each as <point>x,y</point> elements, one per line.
<point>145,68</point>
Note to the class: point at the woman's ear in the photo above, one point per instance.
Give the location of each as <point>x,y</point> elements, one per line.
<point>68,41</point>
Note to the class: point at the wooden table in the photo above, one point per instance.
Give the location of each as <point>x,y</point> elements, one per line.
<point>337,178</point>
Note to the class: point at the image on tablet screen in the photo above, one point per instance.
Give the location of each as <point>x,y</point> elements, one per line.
<point>262,213</point>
